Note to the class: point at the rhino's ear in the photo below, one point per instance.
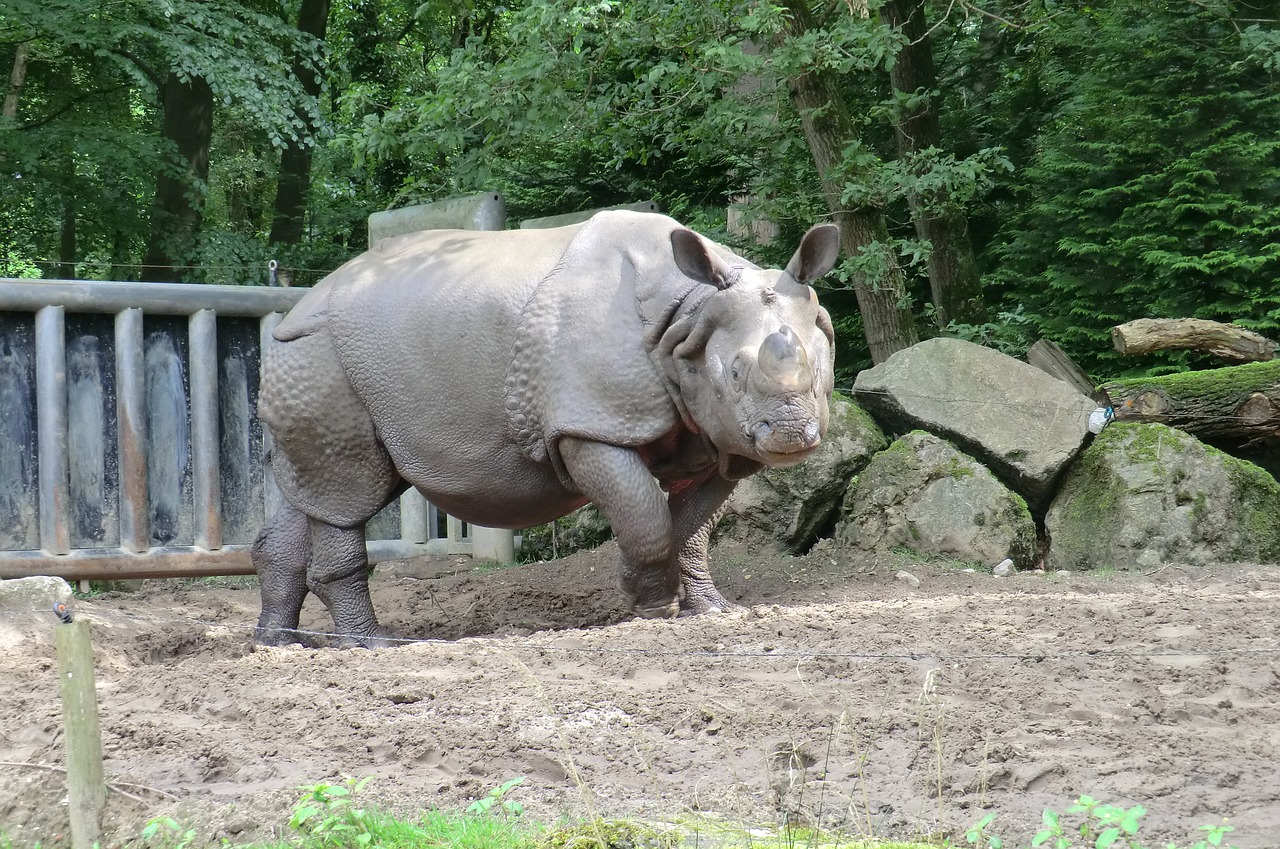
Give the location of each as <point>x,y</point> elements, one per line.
<point>817,254</point>
<point>696,260</point>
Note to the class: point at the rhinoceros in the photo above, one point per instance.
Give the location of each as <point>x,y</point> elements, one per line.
<point>513,376</point>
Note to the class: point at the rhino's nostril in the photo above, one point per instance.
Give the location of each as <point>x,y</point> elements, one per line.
<point>811,435</point>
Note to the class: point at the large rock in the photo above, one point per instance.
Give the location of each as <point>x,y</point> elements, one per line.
<point>1146,494</point>
<point>1021,423</point>
<point>923,494</point>
<point>793,506</point>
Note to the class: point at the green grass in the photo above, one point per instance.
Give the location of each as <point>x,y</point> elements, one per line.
<point>332,816</point>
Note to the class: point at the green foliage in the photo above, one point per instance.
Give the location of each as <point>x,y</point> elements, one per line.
<point>610,834</point>
<point>1151,189</point>
<point>328,816</point>
<point>168,833</point>
<point>497,801</point>
<point>1098,826</point>
<point>84,149</point>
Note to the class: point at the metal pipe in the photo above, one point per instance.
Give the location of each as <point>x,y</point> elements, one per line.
<point>131,419</point>
<point>107,564</point>
<point>51,429</point>
<point>202,330</point>
<point>96,296</point>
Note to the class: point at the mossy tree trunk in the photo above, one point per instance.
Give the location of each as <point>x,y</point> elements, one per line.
<point>1236,403</point>
<point>829,129</point>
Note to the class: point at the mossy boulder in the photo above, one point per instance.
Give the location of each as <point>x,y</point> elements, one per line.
<point>794,506</point>
<point>584,528</point>
<point>1146,494</point>
<point>923,494</point>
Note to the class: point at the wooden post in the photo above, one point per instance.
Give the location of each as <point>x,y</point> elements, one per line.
<point>86,786</point>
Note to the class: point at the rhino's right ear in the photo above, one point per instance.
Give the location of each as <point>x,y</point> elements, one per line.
<point>693,257</point>
<point>817,254</point>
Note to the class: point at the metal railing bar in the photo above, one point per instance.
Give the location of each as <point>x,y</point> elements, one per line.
<point>51,429</point>
<point>131,428</point>
<point>97,296</point>
<point>206,484</point>
<point>109,564</point>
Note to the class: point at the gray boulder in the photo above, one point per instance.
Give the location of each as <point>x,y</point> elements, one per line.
<point>793,506</point>
<point>923,494</point>
<point>1146,494</point>
<point>1021,423</point>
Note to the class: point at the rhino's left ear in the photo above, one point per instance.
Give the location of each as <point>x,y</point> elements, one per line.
<point>694,258</point>
<point>817,254</point>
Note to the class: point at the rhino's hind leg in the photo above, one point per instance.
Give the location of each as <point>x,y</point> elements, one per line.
<point>339,576</point>
<point>280,555</point>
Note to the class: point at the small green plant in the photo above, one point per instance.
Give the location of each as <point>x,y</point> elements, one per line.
<point>496,800</point>
<point>328,814</point>
<point>1100,826</point>
<point>977,834</point>
<point>166,832</point>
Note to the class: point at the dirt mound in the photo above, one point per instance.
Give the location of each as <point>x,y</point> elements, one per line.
<point>839,694</point>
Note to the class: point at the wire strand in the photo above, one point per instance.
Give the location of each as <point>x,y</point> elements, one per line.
<point>715,654</point>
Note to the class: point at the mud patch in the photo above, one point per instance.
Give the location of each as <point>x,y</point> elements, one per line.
<point>837,694</point>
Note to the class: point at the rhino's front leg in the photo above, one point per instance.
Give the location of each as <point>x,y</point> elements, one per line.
<point>339,576</point>
<point>620,484</point>
<point>696,507</point>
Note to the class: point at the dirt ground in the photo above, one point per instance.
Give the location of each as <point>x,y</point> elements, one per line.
<point>839,693</point>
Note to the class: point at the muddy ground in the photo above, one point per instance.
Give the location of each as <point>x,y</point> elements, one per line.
<point>839,693</point>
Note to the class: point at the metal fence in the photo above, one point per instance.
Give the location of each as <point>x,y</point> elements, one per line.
<point>129,439</point>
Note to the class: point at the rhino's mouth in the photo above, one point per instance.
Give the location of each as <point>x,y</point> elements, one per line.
<point>785,444</point>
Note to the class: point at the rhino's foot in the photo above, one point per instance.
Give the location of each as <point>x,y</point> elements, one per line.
<point>670,610</point>
<point>704,600</point>
<point>275,634</point>
<point>379,638</point>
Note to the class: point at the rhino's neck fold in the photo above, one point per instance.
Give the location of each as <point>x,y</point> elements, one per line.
<point>666,325</point>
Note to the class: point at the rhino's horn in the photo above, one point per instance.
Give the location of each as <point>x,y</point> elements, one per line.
<point>784,363</point>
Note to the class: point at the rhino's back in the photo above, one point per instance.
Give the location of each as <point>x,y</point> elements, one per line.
<point>475,352</point>
<point>424,325</point>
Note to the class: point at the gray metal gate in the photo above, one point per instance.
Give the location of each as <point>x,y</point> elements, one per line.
<point>129,439</point>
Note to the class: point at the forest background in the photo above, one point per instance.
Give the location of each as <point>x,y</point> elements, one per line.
<point>1001,171</point>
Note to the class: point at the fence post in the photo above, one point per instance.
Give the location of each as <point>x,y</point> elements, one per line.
<point>86,787</point>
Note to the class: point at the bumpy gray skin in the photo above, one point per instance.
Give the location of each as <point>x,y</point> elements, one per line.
<point>513,376</point>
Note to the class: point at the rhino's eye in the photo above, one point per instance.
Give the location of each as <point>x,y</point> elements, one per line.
<point>738,371</point>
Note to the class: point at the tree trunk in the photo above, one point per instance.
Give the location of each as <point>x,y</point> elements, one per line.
<point>1236,403</point>
<point>1229,341</point>
<point>178,211</point>
<point>829,129</point>
<point>17,77</point>
<point>294,182</point>
<point>953,270</point>
<point>67,242</point>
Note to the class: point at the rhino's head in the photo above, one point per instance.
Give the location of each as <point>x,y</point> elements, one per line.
<point>754,363</point>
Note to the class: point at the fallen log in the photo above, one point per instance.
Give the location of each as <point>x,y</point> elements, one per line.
<point>1240,404</point>
<point>1229,341</point>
